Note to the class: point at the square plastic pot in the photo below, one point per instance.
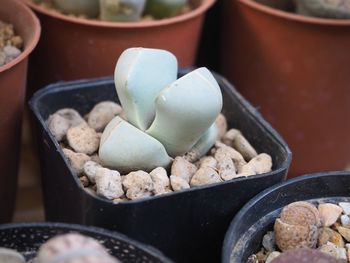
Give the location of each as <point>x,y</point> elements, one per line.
<point>188,226</point>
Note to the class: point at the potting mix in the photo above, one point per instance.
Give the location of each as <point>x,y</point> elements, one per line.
<point>324,227</point>
<point>10,43</point>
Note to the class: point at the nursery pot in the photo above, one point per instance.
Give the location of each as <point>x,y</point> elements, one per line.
<point>27,238</point>
<point>188,226</point>
<point>74,48</point>
<point>247,229</point>
<point>295,70</point>
<point>12,91</point>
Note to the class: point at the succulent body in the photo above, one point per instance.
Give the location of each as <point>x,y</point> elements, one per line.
<point>73,248</point>
<point>305,255</point>
<point>121,10</point>
<point>164,8</point>
<point>298,226</point>
<point>89,8</point>
<point>168,117</point>
<point>339,9</point>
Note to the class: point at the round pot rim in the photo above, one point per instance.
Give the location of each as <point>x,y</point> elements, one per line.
<point>92,230</point>
<point>204,6</point>
<point>294,17</point>
<point>240,215</point>
<point>30,45</point>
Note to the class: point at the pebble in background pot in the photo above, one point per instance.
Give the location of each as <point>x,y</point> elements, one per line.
<point>188,226</point>
<point>245,234</point>
<point>12,91</point>
<point>27,238</point>
<point>74,48</point>
<point>301,88</point>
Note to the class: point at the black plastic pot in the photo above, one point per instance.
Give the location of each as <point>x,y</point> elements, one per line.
<point>245,234</point>
<point>188,226</point>
<point>27,238</point>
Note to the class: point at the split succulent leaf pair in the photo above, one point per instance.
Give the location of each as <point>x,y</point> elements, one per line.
<point>167,116</point>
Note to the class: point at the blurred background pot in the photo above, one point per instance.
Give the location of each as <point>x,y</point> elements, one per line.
<point>244,237</point>
<point>12,92</point>
<point>27,238</point>
<point>74,48</point>
<point>296,70</point>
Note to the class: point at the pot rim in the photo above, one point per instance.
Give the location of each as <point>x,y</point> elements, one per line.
<point>294,17</point>
<point>30,45</point>
<point>239,217</point>
<point>204,6</point>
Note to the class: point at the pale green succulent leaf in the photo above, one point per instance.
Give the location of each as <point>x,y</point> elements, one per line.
<point>140,75</point>
<point>125,148</point>
<point>185,110</point>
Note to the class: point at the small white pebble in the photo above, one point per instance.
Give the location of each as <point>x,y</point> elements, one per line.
<point>205,176</point>
<point>76,160</point>
<point>138,184</point>
<point>102,114</point>
<point>208,161</point>
<point>329,213</point>
<point>178,183</point>
<point>345,220</point>
<point>83,139</point>
<point>160,180</point>
<point>108,183</point>
<point>346,207</point>
<point>90,170</point>
<point>11,52</point>
<point>272,256</point>
<point>183,168</point>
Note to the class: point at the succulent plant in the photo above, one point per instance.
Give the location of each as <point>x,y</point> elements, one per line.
<point>89,8</point>
<point>297,226</point>
<point>164,8</point>
<point>305,255</point>
<point>324,8</point>
<point>121,10</point>
<point>167,117</point>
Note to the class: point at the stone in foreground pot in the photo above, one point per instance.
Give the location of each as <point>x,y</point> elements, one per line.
<point>187,226</point>
<point>28,237</point>
<point>301,87</point>
<point>73,48</point>
<point>257,217</point>
<point>12,91</point>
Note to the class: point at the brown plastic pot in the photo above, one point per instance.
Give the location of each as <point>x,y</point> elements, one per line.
<point>74,48</point>
<point>12,92</point>
<point>295,69</point>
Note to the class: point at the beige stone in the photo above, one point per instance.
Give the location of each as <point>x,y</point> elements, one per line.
<point>329,213</point>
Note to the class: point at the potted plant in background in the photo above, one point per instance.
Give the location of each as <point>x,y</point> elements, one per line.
<point>295,69</point>
<point>72,47</point>
<point>300,224</point>
<point>22,30</point>
<point>48,242</point>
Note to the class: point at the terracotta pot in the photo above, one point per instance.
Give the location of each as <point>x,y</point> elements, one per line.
<point>74,48</point>
<point>295,69</point>
<point>12,92</point>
